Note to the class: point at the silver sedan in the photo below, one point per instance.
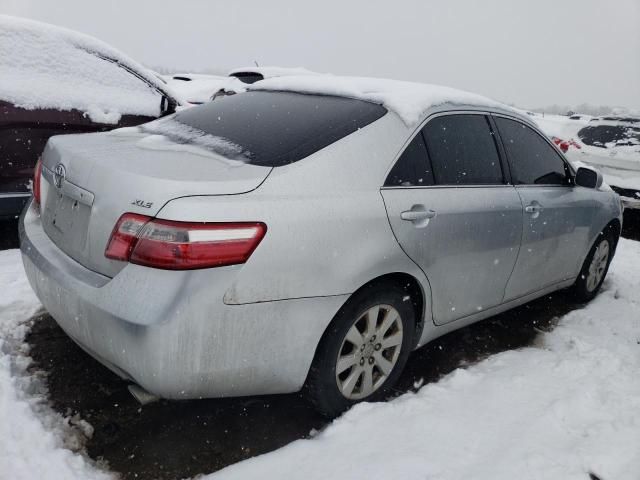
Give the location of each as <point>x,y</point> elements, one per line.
<point>274,240</point>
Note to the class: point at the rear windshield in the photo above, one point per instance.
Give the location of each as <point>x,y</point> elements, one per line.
<point>270,128</point>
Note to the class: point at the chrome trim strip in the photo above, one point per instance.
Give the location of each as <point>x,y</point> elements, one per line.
<point>69,189</point>
<point>15,195</point>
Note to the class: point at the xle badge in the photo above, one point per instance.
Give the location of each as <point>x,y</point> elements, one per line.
<point>142,203</point>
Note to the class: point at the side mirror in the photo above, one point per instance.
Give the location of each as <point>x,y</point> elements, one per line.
<point>589,178</point>
<point>167,106</point>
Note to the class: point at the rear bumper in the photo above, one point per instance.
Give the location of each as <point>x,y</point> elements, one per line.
<point>171,332</point>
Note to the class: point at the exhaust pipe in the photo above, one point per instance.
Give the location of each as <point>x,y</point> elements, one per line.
<point>141,395</point>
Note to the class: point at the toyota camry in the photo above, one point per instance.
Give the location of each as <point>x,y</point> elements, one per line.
<point>310,232</point>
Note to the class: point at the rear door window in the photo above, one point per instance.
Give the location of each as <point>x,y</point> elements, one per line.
<point>413,168</point>
<point>463,151</point>
<point>533,160</point>
<point>268,128</point>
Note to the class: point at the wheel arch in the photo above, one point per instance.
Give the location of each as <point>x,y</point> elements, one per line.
<point>407,282</point>
<point>614,227</point>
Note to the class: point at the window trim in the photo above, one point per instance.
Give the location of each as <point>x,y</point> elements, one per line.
<point>504,165</point>
<point>567,165</point>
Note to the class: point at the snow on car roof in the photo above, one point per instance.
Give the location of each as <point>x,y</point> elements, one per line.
<point>44,66</point>
<point>410,100</point>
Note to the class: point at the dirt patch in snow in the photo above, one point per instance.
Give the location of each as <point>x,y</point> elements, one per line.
<point>168,440</point>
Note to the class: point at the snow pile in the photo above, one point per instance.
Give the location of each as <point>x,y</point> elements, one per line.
<point>559,410</point>
<point>42,66</point>
<point>409,100</point>
<point>35,442</point>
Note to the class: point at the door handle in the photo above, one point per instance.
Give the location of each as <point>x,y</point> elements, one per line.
<point>534,208</point>
<point>418,214</point>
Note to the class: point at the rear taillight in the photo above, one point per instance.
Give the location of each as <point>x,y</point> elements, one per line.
<point>182,245</point>
<point>37,175</point>
<point>124,236</point>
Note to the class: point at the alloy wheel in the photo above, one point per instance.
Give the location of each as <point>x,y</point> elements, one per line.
<point>369,352</point>
<point>598,265</point>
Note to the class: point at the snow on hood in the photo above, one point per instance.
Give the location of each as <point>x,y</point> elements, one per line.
<point>409,100</point>
<point>44,66</point>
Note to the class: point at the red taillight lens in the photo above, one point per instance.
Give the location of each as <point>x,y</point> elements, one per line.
<point>181,245</point>
<point>37,175</point>
<point>124,236</point>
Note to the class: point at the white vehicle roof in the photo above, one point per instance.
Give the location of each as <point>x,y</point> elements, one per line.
<point>410,101</point>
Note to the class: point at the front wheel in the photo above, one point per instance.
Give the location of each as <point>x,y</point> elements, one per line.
<point>595,268</point>
<point>364,350</point>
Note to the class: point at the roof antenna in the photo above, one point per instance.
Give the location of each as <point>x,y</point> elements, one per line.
<point>256,63</point>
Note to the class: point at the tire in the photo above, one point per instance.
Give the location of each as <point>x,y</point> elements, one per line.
<point>366,361</point>
<point>595,268</point>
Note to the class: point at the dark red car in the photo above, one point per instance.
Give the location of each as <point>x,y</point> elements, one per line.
<point>56,81</point>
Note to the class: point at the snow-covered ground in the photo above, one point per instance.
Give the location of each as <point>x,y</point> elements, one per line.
<point>35,442</point>
<point>565,407</point>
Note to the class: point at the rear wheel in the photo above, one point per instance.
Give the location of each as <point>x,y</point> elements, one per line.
<point>363,351</point>
<point>595,268</point>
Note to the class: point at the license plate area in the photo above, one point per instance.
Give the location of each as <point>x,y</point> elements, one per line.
<point>66,222</point>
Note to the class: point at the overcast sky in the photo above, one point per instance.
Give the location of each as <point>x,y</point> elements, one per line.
<point>532,53</point>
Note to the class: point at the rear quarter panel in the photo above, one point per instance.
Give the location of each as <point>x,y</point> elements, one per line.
<point>328,232</point>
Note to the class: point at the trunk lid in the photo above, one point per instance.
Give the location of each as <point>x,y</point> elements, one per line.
<point>108,174</point>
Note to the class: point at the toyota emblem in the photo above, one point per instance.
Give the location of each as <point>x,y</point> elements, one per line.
<point>59,175</point>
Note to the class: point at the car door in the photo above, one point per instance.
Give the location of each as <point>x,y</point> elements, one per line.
<point>557,215</point>
<point>454,213</point>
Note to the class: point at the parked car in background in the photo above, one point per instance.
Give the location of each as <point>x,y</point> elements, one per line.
<point>565,145</point>
<point>250,75</point>
<point>612,144</point>
<point>310,232</point>
<point>580,116</point>
<point>54,81</point>
<point>196,88</point>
